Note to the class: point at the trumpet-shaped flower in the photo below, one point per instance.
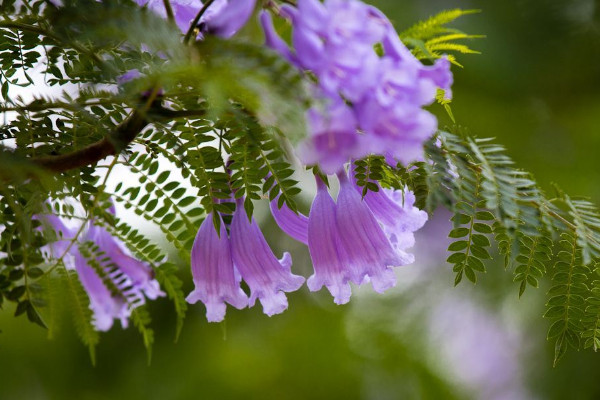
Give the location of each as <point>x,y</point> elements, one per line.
<point>267,277</point>
<point>327,252</point>
<point>105,305</point>
<point>354,240</point>
<point>396,212</point>
<point>213,272</point>
<point>370,252</point>
<point>115,282</point>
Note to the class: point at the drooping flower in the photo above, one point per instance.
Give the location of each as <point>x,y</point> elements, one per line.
<point>138,275</point>
<point>370,252</point>
<point>115,282</point>
<point>105,305</point>
<point>63,235</point>
<point>328,254</point>
<point>267,277</point>
<point>213,272</point>
<point>353,240</point>
<point>128,76</point>
<point>397,214</point>
<point>294,225</point>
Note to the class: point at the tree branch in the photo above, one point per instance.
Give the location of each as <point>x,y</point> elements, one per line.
<point>112,144</point>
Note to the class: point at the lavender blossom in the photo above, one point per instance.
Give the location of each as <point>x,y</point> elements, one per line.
<point>267,277</point>
<point>348,242</point>
<point>327,252</point>
<point>63,235</point>
<point>222,18</point>
<point>128,76</point>
<point>138,276</point>
<point>105,305</point>
<point>369,250</point>
<point>115,282</point>
<point>294,225</point>
<point>225,17</point>
<point>333,138</point>
<point>213,272</point>
<point>374,103</point>
<point>395,211</point>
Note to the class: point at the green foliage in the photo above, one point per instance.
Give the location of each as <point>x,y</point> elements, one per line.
<point>567,297</point>
<point>215,123</point>
<point>534,254</point>
<point>431,39</point>
<point>491,197</point>
<point>471,249</point>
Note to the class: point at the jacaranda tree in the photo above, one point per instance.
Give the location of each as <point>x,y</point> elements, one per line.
<point>205,123</point>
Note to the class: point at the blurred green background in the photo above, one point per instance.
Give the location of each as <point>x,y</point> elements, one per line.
<point>535,88</point>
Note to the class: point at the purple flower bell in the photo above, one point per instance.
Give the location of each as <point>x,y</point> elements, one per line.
<point>105,305</point>
<point>118,285</point>
<point>395,211</point>
<point>267,277</point>
<point>353,240</point>
<point>370,252</point>
<point>213,272</point>
<point>334,138</point>
<point>328,253</point>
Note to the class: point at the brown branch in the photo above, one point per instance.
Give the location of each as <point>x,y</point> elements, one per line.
<point>112,144</point>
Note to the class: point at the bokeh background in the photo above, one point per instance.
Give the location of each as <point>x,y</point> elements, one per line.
<point>535,87</point>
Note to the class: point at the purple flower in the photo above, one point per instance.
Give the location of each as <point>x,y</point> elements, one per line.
<point>348,242</point>
<point>213,272</point>
<point>400,130</point>
<point>369,250</point>
<point>225,17</point>
<point>128,76</point>
<point>327,252</point>
<point>115,282</point>
<point>62,235</point>
<point>105,305</point>
<point>184,10</point>
<point>273,40</point>
<point>375,103</point>
<point>395,211</point>
<point>334,139</point>
<point>295,225</point>
<point>267,277</point>
<point>137,276</point>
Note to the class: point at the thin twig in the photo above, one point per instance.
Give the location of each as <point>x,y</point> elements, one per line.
<point>192,28</point>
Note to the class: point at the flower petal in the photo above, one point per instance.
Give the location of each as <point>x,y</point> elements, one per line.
<point>213,272</point>
<point>266,277</point>
<point>326,251</point>
<point>294,225</point>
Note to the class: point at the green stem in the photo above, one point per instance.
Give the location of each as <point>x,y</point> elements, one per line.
<point>192,28</point>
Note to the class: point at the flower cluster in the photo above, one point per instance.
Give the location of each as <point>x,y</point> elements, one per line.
<point>115,282</point>
<point>220,261</point>
<point>372,103</point>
